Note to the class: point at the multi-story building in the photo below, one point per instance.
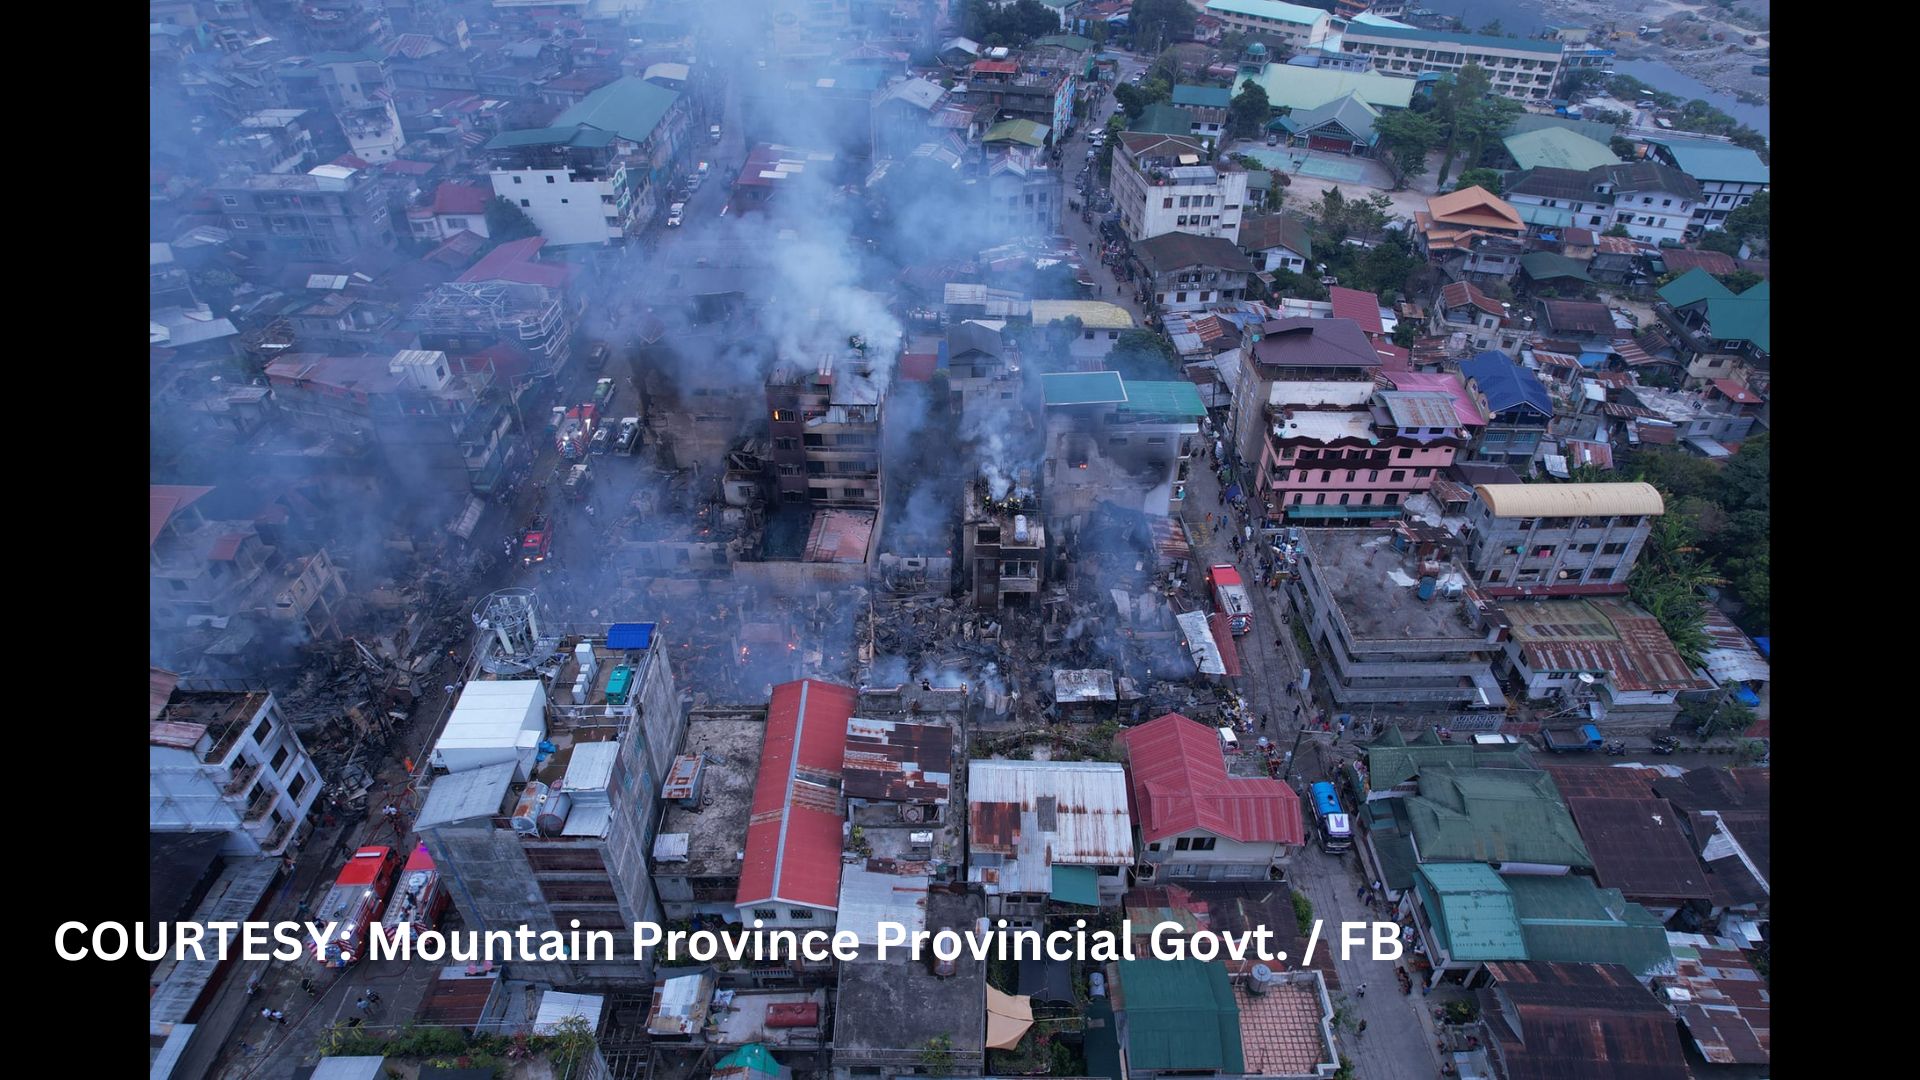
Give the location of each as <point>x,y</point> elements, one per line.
<point>206,572</point>
<point>1046,830</point>
<point>1539,540</point>
<point>1654,202</point>
<point>1729,176</point>
<point>1198,823</point>
<point>1004,548</point>
<point>825,426</point>
<point>1427,644</point>
<point>1557,199</point>
<point>1022,190</point>
<point>542,840</point>
<point>982,371</point>
<point>452,208</point>
<point>510,297</point>
<point>227,763</point>
<point>1362,461</point>
<point>1165,183</point>
<point>1461,308</point>
<point>1716,333</point>
<point>600,172</point>
<point>1118,441</point>
<point>432,425</point>
<point>1289,368</point>
<point>1017,92</point>
<point>808,29</point>
<point>1185,272</point>
<point>1517,407</point>
<point>330,212</point>
<point>1519,68</point>
<point>269,141</point>
<point>1302,28</point>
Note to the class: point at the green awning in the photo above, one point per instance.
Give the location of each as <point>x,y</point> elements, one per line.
<point>1076,885</point>
<point>1342,511</point>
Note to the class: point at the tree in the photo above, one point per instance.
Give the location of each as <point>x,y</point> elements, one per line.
<point>1483,121</point>
<point>1453,103</point>
<point>1617,230</point>
<point>1143,354</point>
<point>1740,281</point>
<point>1156,23</point>
<point>1406,138</point>
<point>506,222</point>
<point>1623,148</point>
<point>1404,333</point>
<point>1493,29</point>
<point>1484,178</point>
<point>1247,114</point>
<point>1752,222</point>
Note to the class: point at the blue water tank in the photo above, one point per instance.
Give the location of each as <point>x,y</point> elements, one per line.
<point>1426,588</point>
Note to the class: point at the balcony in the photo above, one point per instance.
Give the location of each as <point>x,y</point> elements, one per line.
<point>241,779</point>
<point>261,803</point>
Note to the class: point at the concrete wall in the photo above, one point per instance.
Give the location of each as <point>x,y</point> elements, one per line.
<point>1230,860</point>
<point>1494,566</point>
<point>567,211</point>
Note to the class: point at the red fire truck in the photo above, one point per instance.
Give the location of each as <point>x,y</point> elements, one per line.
<point>1230,597</point>
<point>353,904</point>
<point>419,901</point>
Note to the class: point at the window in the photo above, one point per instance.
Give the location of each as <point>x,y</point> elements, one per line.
<point>563,202</point>
<point>1185,843</point>
<point>239,223</point>
<point>1344,497</point>
<point>1396,476</point>
<point>1422,474</point>
<point>1392,499</point>
<point>1365,500</point>
<point>1613,549</point>
<point>228,200</point>
<point>263,731</point>
<point>299,785</point>
<point>1203,843</point>
<point>1320,499</point>
<point>526,202</point>
<point>549,178</point>
<point>1588,549</point>
<point>1166,203</point>
<point>1326,476</point>
<point>1113,335</point>
<point>1155,846</point>
<point>1185,202</point>
<point>787,442</point>
<point>1351,474</point>
<point>765,914</point>
<point>279,758</point>
<point>1626,521</point>
<point>1180,298</point>
<point>516,179</point>
<point>800,912</point>
<point>1666,202</point>
<point>1600,573</point>
<point>1373,476</point>
<point>1403,454</point>
<point>781,416</point>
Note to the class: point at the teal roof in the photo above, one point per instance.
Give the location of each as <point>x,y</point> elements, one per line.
<point>1558,217</point>
<point>1270,9</point>
<point>1309,88</point>
<point>1076,885</point>
<point>1558,148</point>
<point>1592,129</point>
<point>1706,161</point>
<point>1692,287</point>
<point>572,135</point>
<point>1170,399</point>
<point>753,1057</point>
<point>1073,42</point>
<point>1471,911</point>
<point>1570,920</point>
<point>1546,266</point>
<point>1391,764</point>
<point>1083,388</point>
<point>630,108</point>
<point>1181,1017</point>
<point>1484,41</point>
<point>1162,118</point>
<point>1391,839</point>
<point>1206,97</point>
<point>1102,1040</point>
<point>1349,112</point>
<point>1494,815</point>
<point>1025,132</point>
<point>1746,317</point>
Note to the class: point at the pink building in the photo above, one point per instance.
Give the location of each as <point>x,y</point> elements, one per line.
<point>1364,461</point>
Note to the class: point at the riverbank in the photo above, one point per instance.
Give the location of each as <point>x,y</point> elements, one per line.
<point>1715,45</point>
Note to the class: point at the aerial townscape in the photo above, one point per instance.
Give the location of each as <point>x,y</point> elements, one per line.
<point>1168,468</point>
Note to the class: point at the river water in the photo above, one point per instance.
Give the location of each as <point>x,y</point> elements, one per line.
<point>1525,18</point>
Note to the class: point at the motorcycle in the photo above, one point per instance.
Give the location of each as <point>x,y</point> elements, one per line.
<point>1665,744</point>
<point>1616,748</point>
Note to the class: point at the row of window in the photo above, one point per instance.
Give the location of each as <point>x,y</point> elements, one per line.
<point>1396,476</point>
<point>1625,521</point>
<point>1594,575</point>
<point>1365,456</point>
<point>1189,843</point>
<point>767,914</point>
<point>1391,498</point>
<point>1547,551</point>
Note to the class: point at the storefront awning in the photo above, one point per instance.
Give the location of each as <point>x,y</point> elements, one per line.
<point>1342,511</point>
<point>1076,885</point>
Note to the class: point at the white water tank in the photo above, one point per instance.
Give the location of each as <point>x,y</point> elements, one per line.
<point>1020,528</point>
<point>1260,979</point>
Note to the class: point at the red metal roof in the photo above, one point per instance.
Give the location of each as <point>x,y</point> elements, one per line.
<point>1179,782</point>
<point>794,833</point>
<point>995,67</point>
<point>166,500</point>
<point>518,261</point>
<point>1735,392</point>
<point>1223,638</point>
<point>452,198</point>
<point>918,367</point>
<point>226,547</point>
<point>1462,293</point>
<point>1361,307</point>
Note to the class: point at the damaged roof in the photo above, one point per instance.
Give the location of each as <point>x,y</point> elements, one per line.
<point>1639,847</point>
<point>1721,1001</point>
<point>1180,784</point>
<point>1025,817</point>
<point>897,762</point>
<point>1558,1021</point>
<point>794,834</point>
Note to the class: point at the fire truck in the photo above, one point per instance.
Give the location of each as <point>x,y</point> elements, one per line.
<point>1230,597</point>
<point>536,540</point>
<point>419,901</point>
<point>576,430</point>
<point>353,904</point>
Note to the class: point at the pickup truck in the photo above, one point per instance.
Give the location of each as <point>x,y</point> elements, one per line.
<point>1584,738</point>
<point>629,437</point>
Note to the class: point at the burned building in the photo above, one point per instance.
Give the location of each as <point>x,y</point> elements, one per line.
<point>825,426</point>
<point>1113,440</point>
<point>897,774</point>
<point>708,798</point>
<point>1045,832</point>
<point>547,810</point>
<point>1004,547</point>
<point>227,764</point>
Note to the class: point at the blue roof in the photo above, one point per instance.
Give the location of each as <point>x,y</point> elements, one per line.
<point>1506,384</point>
<point>630,635</point>
<point>1707,160</point>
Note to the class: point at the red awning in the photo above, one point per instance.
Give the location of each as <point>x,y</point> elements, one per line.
<point>1223,637</point>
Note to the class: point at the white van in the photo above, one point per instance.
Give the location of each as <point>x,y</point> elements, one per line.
<point>1229,742</point>
<point>1489,739</point>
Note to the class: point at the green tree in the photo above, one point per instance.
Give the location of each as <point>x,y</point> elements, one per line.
<point>1404,333</point>
<point>1406,138</point>
<point>1454,103</point>
<point>1248,113</point>
<point>507,222</point>
<point>1493,29</point>
<point>1740,280</point>
<point>1143,354</point>
<point>1485,178</point>
<point>1623,148</point>
<point>1158,23</point>
<point>1617,230</point>
<point>937,1056</point>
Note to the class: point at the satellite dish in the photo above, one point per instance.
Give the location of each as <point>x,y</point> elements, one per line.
<point>1586,677</point>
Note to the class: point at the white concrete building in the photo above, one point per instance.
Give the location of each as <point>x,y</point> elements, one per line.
<point>1520,69</point>
<point>1729,176</point>
<point>225,762</point>
<point>1302,27</point>
<point>1655,202</point>
<point>1167,183</point>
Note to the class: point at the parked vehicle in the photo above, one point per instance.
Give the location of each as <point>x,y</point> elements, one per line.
<point>419,902</point>
<point>536,540</point>
<point>1230,596</point>
<point>575,485</point>
<point>602,441</point>
<point>1665,744</point>
<point>598,355</point>
<point>1336,826</point>
<point>574,431</point>
<point>629,438</point>
<point>676,214</point>
<point>351,906</point>
<point>714,133</point>
<point>603,392</point>
<point>1582,739</point>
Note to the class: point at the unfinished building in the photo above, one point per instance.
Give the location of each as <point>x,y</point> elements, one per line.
<point>1004,547</point>
<point>1397,620</point>
<point>547,812</point>
<point>708,797</point>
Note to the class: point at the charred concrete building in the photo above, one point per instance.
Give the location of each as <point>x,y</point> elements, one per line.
<point>825,426</point>
<point>1004,547</point>
<point>225,763</point>
<point>1111,440</point>
<point>548,806</point>
<point>698,854</point>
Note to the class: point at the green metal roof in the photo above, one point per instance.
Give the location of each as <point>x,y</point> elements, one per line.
<point>1084,388</point>
<point>629,107</point>
<point>1391,839</point>
<point>1494,815</point>
<point>1308,88</point>
<point>1747,317</point>
<point>1076,885</point>
<point>1102,1040</point>
<point>1390,765</point>
<point>1558,148</point>
<point>1026,132</point>
<point>574,135</point>
<point>1074,42</point>
<point>1351,113</point>
<point>1471,910</point>
<point>1413,34</point>
<point>1181,1016</point>
<point>1176,399</point>
<point>1546,266</point>
<point>1706,160</point>
<point>1692,287</point>
<point>1553,216</point>
<point>1206,97</point>
<point>1162,118</point>
<point>1569,919</point>
<point>1592,129</point>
